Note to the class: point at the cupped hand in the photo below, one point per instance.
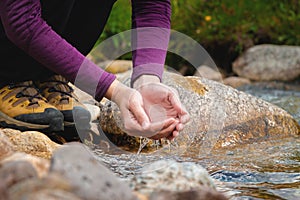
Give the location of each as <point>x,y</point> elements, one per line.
<point>162,103</point>
<point>135,120</point>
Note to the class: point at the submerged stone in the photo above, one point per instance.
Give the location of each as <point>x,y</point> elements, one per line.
<point>173,176</point>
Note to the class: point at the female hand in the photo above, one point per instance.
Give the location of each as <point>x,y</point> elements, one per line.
<point>161,103</point>
<point>135,120</point>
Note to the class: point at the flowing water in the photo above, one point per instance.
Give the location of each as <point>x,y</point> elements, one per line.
<point>268,170</point>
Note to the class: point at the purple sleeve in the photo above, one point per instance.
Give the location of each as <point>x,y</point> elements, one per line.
<point>25,27</point>
<point>151,38</point>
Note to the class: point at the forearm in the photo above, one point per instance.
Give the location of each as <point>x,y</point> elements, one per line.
<point>150,37</point>
<point>25,27</point>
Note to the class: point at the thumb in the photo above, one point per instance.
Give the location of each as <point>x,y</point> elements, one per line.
<point>175,101</point>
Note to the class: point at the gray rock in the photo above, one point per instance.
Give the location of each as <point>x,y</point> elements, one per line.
<point>49,194</point>
<point>89,178</point>
<point>15,172</point>
<point>269,62</point>
<point>40,165</point>
<point>35,188</point>
<point>169,175</point>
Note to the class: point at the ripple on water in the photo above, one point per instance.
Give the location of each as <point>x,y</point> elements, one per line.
<point>267,170</point>
<point>286,99</point>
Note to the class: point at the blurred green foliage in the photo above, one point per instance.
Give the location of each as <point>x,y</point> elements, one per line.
<point>233,25</point>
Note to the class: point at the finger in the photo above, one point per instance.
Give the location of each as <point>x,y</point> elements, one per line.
<point>185,118</point>
<point>165,132</point>
<point>173,135</point>
<point>183,114</point>
<point>175,101</point>
<point>179,127</point>
<point>130,125</point>
<point>139,113</point>
<point>158,126</point>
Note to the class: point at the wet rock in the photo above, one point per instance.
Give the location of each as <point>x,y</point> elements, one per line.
<point>40,165</point>
<point>169,175</point>
<point>89,178</point>
<point>203,193</point>
<point>269,62</point>
<point>50,187</point>
<point>31,142</point>
<point>209,73</point>
<point>221,117</point>
<point>6,147</point>
<point>236,82</point>
<point>15,172</point>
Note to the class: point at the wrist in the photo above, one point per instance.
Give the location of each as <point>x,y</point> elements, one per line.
<point>112,90</point>
<point>145,79</point>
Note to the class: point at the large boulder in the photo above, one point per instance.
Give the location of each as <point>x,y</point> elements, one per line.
<point>221,116</point>
<point>269,62</point>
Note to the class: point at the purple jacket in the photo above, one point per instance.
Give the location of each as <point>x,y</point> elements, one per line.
<point>25,27</point>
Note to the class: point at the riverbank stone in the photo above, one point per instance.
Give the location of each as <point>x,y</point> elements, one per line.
<point>90,179</point>
<point>31,142</point>
<point>6,147</point>
<point>51,187</point>
<point>269,62</point>
<point>40,165</point>
<point>15,172</point>
<point>170,175</point>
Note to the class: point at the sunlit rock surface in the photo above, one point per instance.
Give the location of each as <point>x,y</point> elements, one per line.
<point>31,142</point>
<point>220,116</point>
<point>6,147</point>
